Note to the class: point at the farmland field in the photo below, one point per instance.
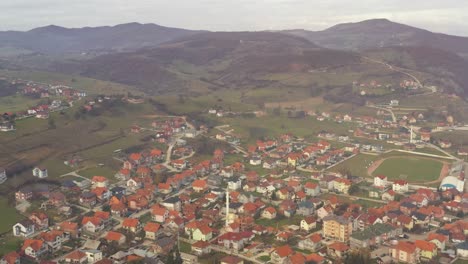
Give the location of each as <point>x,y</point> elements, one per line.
<point>410,168</point>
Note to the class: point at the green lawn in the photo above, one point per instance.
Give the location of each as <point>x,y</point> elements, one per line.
<point>9,216</point>
<point>9,243</point>
<point>280,221</point>
<point>99,171</point>
<point>357,165</point>
<point>16,103</point>
<point>460,261</point>
<point>410,168</point>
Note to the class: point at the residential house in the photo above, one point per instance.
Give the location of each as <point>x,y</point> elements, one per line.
<point>11,258</point>
<point>427,250</point>
<point>373,235</point>
<point>24,228</point>
<point>69,228</point>
<point>381,181</point>
<point>342,185</point>
<point>202,233</point>
<point>406,252</point>
<point>438,239</point>
<point>337,250</point>
<point>462,249</point>
<point>131,224</point>
<point>113,236</point>
<point>309,223</point>
<point>312,243</point>
<point>312,189</point>
<point>34,248</point>
<point>88,199</point>
<point>159,214</point>
<point>151,230</point>
<point>201,248</point>
<point>400,186</point>
<point>305,208</point>
<point>199,185</point>
<point>54,239</point>
<point>40,220</point>
<point>99,181</point>
<point>282,254</point>
<point>24,194</point>
<point>231,260</point>
<point>77,257</point>
<point>92,224</point>
<point>337,227</point>
<point>269,213</point>
<point>40,172</point>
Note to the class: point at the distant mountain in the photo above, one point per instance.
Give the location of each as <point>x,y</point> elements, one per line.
<point>59,40</point>
<point>221,59</point>
<point>378,33</point>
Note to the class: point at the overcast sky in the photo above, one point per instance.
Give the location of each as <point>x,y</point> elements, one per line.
<point>447,16</point>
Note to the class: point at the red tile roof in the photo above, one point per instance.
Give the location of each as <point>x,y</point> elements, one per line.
<point>152,227</point>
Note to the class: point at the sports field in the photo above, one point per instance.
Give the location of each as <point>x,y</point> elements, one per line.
<point>412,169</point>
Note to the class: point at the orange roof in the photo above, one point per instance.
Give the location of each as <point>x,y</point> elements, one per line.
<point>425,245</point>
<point>35,244</point>
<point>99,179</point>
<point>152,227</point>
<point>51,235</point>
<point>102,215</point>
<point>68,226</point>
<point>315,238</point>
<point>436,236</point>
<point>339,246</point>
<point>156,152</point>
<point>130,222</point>
<point>133,258</point>
<point>76,255</point>
<point>314,258</point>
<point>99,191</point>
<point>135,156</point>
<point>199,183</point>
<point>93,219</point>
<point>406,247</point>
<point>297,258</point>
<point>271,210</point>
<point>113,236</point>
<point>204,229</point>
<point>284,251</point>
<point>11,257</point>
<point>310,185</point>
<point>125,171</point>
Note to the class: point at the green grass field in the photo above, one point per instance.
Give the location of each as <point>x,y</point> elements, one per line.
<point>410,168</point>
<point>16,103</point>
<point>9,216</point>
<point>357,165</point>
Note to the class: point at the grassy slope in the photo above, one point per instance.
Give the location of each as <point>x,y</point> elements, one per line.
<point>92,86</point>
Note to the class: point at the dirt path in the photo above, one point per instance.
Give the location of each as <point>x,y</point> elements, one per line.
<point>374,166</point>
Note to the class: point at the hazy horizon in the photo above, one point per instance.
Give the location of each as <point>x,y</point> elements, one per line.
<point>450,17</point>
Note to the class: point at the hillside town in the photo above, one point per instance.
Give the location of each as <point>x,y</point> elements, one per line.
<point>274,201</point>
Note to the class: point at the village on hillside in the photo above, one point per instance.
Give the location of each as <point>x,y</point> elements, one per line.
<point>283,199</point>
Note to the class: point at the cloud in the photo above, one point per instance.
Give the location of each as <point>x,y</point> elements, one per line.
<point>448,16</point>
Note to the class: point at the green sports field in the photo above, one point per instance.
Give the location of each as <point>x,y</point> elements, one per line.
<point>413,169</point>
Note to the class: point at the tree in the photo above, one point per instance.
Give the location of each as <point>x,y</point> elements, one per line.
<point>353,189</point>
<point>361,256</point>
<point>51,123</point>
